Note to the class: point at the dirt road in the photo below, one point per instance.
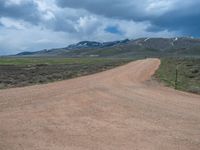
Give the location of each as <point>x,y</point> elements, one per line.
<point>119,109</point>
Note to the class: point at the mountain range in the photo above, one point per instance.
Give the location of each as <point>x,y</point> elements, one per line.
<point>148,47</point>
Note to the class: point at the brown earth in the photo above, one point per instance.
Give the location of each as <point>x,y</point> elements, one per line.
<point>119,109</point>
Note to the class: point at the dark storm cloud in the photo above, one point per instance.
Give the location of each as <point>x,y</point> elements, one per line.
<point>25,11</point>
<point>188,24</point>
<point>182,16</point>
<point>29,11</point>
<point>171,15</point>
<point>61,25</point>
<point>123,9</point>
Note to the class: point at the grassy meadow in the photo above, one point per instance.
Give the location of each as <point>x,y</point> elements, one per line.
<point>188,73</point>
<point>18,72</point>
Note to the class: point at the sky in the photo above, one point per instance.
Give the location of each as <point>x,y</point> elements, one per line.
<point>30,25</point>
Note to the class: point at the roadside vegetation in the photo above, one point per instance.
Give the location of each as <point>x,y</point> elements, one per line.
<point>18,72</point>
<point>188,73</point>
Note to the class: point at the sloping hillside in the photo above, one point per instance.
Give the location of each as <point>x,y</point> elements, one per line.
<point>143,47</point>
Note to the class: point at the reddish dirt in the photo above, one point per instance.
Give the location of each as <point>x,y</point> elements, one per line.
<point>119,109</point>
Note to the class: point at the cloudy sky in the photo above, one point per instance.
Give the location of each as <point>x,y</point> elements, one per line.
<point>29,25</point>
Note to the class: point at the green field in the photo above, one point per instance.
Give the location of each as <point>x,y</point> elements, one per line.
<point>53,61</point>
<point>188,77</point>
<point>18,72</point>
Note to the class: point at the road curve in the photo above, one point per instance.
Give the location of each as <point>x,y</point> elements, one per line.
<point>119,109</point>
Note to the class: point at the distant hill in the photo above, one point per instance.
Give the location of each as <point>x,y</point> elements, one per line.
<point>143,47</point>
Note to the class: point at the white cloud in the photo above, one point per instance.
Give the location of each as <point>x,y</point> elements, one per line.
<point>87,24</point>
<point>13,41</point>
<point>47,8</point>
<point>159,7</point>
<point>12,23</point>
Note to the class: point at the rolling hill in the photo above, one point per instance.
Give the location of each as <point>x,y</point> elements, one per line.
<point>143,47</point>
